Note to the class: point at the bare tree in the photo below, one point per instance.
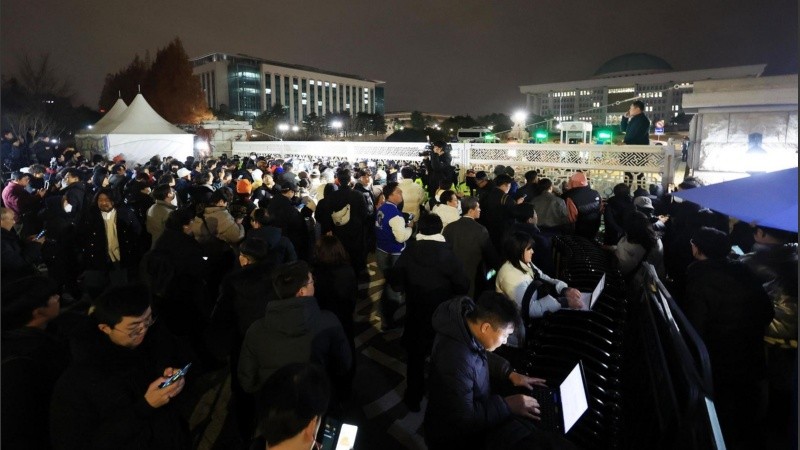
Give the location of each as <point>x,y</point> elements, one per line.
<point>37,98</point>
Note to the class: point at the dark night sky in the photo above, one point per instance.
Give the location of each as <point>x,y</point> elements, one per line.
<point>445,56</point>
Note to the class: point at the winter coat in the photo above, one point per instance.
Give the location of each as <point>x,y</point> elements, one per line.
<point>775,267</point>
<point>18,257</point>
<point>429,273</point>
<point>156,218</point>
<point>615,214</point>
<point>99,401</point>
<point>551,209</point>
<point>636,129</point>
<point>94,244</point>
<point>281,249</point>
<point>730,310</point>
<point>219,223</point>
<point>17,199</point>
<point>447,213</point>
<point>472,246</point>
<point>292,330</point>
<point>461,405</point>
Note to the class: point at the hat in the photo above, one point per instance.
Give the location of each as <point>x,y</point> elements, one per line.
<point>243,186</point>
<point>183,171</point>
<point>480,175</point>
<point>289,186</point>
<point>257,174</point>
<point>643,202</point>
<point>315,173</point>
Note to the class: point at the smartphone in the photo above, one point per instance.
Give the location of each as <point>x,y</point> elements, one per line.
<point>335,435</point>
<point>736,249</point>
<point>40,235</point>
<point>175,376</point>
<point>490,274</point>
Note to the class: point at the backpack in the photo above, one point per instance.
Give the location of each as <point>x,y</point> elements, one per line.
<point>342,216</point>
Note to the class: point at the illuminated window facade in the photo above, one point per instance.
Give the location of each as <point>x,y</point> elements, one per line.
<point>255,85</point>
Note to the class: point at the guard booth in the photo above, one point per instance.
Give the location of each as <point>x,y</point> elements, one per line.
<point>576,132</point>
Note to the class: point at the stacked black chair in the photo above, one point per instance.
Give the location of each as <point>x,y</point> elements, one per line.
<point>558,341</point>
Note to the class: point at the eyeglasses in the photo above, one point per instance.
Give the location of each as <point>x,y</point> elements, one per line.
<point>140,328</point>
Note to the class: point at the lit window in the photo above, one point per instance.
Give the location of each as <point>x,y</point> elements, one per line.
<point>366,102</point>
<point>296,87</point>
<point>268,91</point>
<point>319,83</point>
<point>305,95</point>
<point>319,102</point>
<point>304,101</point>
<point>334,84</point>
<point>311,81</point>
<point>347,105</point>
<point>327,84</point>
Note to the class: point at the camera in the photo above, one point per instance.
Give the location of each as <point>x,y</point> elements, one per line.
<point>424,153</point>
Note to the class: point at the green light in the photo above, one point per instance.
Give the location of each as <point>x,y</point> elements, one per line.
<point>541,134</point>
<point>488,137</point>
<point>604,135</point>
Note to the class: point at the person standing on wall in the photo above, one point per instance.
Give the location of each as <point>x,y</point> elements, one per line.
<point>636,127</point>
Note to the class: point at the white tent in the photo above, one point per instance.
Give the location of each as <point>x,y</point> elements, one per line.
<point>91,138</point>
<point>137,133</point>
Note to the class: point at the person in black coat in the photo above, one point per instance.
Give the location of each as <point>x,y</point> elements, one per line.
<point>497,210</point>
<point>464,410</point>
<point>281,249</point>
<point>617,208</point>
<point>730,310</point>
<point>110,397</point>
<point>107,223</point>
<point>636,125</point>
<point>583,206</point>
<point>353,234</point>
<point>429,273</point>
<point>33,359</point>
<point>526,222</point>
<point>439,166</point>
<point>285,215</point>
<point>336,289</point>
<point>18,256</point>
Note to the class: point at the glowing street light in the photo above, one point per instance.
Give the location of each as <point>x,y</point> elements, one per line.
<point>337,124</point>
<point>284,127</point>
<point>519,117</point>
<point>295,128</point>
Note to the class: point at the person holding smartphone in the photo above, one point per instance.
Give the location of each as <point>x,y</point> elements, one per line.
<point>111,395</point>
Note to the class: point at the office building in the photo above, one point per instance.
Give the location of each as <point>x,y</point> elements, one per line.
<point>605,97</point>
<point>248,86</point>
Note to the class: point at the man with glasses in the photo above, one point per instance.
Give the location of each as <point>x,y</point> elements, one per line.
<point>110,397</point>
<point>294,329</point>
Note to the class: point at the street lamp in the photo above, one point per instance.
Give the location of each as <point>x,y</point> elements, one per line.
<point>284,127</point>
<point>295,128</point>
<point>519,117</point>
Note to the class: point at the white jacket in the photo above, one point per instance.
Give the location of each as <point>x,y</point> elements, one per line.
<point>447,213</point>
<point>413,197</point>
<point>513,283</point>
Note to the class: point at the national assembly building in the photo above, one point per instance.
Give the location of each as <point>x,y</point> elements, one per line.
<point>605,97</point>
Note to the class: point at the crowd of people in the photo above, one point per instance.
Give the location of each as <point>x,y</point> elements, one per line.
<point>115,277</point>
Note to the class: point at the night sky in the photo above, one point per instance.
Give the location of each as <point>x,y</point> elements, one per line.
<point>441,56</point>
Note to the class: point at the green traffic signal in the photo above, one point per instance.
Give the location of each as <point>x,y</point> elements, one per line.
<point>541,134</point>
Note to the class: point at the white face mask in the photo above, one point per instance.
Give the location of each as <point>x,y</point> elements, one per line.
<point>68,208</point>
<point>174,200</point>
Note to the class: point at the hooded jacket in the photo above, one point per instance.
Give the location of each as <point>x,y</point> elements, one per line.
<point>292,330</point>
<point>461,406</point>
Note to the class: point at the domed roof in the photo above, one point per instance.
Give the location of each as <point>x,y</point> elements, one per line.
<point>632,64</point>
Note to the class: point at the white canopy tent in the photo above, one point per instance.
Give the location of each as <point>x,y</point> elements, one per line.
<point>137,133</point>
